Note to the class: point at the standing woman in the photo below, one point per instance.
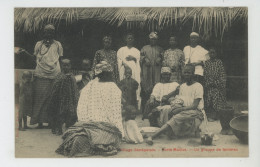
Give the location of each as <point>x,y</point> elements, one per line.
<point>174,58</point>
<point>47,52</point>
<point>215,83</point>
<point>108,55</point>
<point>129,56</point>
<point>151,63</point>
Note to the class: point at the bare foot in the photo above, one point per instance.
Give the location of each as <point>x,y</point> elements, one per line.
<point>223,132</point>
<point>211,120</point>
<point>149,141</point>
<point>230,132</point>
<point>40,126</point>
<point>145,136</point>
<point>22,129</point>
<point>53,131</point>
<point>59,132</point>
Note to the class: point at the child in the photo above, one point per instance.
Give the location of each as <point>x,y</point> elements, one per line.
<point>63,99</point>
<point>25,99</point>
<point>132,132</point>
<point>129,87</point>
<point>85,75</point>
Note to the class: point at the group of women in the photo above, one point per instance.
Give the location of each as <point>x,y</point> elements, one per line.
<point>159,74</point>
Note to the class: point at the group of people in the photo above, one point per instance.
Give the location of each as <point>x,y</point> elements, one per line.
<point>99,103</point>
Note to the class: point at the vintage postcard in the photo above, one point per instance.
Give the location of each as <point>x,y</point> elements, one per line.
<point>131,82</point>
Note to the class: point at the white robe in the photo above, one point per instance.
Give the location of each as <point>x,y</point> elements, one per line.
<point>101,102</point>
<point>124,52</point>
<point>195,55</point>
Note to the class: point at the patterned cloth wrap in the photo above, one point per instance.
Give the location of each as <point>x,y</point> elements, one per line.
<point>92,138</point>
<point>63,99</point>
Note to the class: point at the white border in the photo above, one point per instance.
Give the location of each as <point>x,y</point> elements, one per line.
<point>7,85</point>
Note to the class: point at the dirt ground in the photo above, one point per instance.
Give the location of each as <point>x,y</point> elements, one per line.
<point>41,143</point>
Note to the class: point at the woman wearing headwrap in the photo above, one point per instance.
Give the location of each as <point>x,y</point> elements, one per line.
<point>215,85</point>
<point>151,63</point>
<point>48,52</point>
<point>174,58</point>
<point>100,129</point>
<point>108,55</point>
<point>162,91</point>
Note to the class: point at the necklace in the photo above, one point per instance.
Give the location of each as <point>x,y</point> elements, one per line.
<point>48,47</point>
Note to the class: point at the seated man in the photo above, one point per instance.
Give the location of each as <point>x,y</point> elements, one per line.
<point>161,93</point>
<point>185,121</point>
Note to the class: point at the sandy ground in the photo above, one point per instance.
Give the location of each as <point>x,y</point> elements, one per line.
<point>41,143</point>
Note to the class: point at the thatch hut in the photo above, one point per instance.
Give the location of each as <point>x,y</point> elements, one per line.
<point>80,31</point>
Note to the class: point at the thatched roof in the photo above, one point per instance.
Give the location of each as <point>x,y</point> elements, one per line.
<point>208,21</point>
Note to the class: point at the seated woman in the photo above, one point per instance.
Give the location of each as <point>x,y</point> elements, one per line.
<point>185,121</point>
<point>161,93</point>
<point>99,130</point>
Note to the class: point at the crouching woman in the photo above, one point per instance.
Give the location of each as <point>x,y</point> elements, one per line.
<point>185,121</point>
<point>100,129</point>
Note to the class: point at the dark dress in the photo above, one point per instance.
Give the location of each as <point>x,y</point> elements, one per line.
<point>150,71</point>
<point>128,87</point>
<point>111,58</point>
<point>215,82</point>
<point>63,101</point>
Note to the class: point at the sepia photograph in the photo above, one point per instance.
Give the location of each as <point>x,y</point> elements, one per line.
<point>131,82</point>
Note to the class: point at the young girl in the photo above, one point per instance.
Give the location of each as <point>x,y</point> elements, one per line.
<point>129,87</point>
<point>25,99</point>
<point>132,132</point>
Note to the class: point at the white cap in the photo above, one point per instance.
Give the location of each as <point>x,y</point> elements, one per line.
<point>194,34</point>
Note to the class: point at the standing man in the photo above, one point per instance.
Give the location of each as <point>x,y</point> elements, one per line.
<point>151,63</point>
<point>129,57</point>
<point>48,52</point>
<point>196,55</point>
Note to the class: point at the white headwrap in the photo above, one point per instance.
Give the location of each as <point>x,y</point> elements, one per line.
<point>194,34</point>
<point>153,35</point>
<point>165,70</point>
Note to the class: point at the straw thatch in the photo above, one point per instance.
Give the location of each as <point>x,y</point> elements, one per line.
<point>208,21</point>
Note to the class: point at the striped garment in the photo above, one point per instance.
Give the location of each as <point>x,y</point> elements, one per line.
<point>41,92</point>
<point>92,138</point>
